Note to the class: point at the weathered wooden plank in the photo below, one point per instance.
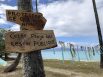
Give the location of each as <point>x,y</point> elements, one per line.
<point>27,41</point>
<point>26,19</point>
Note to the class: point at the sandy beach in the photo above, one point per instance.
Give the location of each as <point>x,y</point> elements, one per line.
<point>55,68</point>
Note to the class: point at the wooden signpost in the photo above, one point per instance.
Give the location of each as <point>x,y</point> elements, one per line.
<point>32,38</point>
<point>28,20</point>
<point>27,41</point>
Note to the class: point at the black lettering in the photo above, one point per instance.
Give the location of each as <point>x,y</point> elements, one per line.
<point>21,18</point>
<point>9,13</point>
<point>40,37</point>
<point>35,43</point>
<point>24,24</point>
<point>12,18</point>
<point>17,14</point>
<point>12,44</point>
<point>49,36</point>
<point>13,13</point>
<point>16,43</point>
<point>24,14</point>
<point>13,36</point>
<point>42,44</point>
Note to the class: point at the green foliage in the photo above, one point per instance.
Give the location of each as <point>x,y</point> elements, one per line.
<point>2,43</point>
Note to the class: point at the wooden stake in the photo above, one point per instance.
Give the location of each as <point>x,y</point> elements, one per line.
<point>99,33</point>
<point>36,2</point>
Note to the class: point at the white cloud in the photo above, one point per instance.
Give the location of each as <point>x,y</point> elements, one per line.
<point>2,21</point>
<point>2,0</point>
<point>15,28</point>
<point>66,18</point>
<point>3,8</point>
<point>72,18</point>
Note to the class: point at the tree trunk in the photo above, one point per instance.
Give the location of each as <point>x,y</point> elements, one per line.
<point>0,55</point>
<point>13,66</point>
<point>6,56</point>
<point>33,63</point>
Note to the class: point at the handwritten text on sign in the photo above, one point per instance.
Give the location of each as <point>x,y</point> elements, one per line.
<point>27,41</point>
<point>26,19</point>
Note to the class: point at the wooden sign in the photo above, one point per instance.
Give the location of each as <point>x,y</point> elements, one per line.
<point>27,41</point>
<point>26,19</point>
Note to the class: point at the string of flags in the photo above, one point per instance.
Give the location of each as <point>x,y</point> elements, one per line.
<point>74,49</point>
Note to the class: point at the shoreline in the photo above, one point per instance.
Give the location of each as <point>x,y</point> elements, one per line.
<point>71,60</point>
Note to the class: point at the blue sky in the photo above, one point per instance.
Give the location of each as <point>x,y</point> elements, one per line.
<point>71,20</point>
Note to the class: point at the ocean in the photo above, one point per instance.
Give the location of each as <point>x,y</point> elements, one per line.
<point>66,55</point>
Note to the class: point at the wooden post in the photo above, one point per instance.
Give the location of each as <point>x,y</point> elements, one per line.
<point>33,63</point>
<point>99,33</point>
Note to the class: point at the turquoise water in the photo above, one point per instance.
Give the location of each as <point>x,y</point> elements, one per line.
<point>81,56</point>
<point>2,62</point>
